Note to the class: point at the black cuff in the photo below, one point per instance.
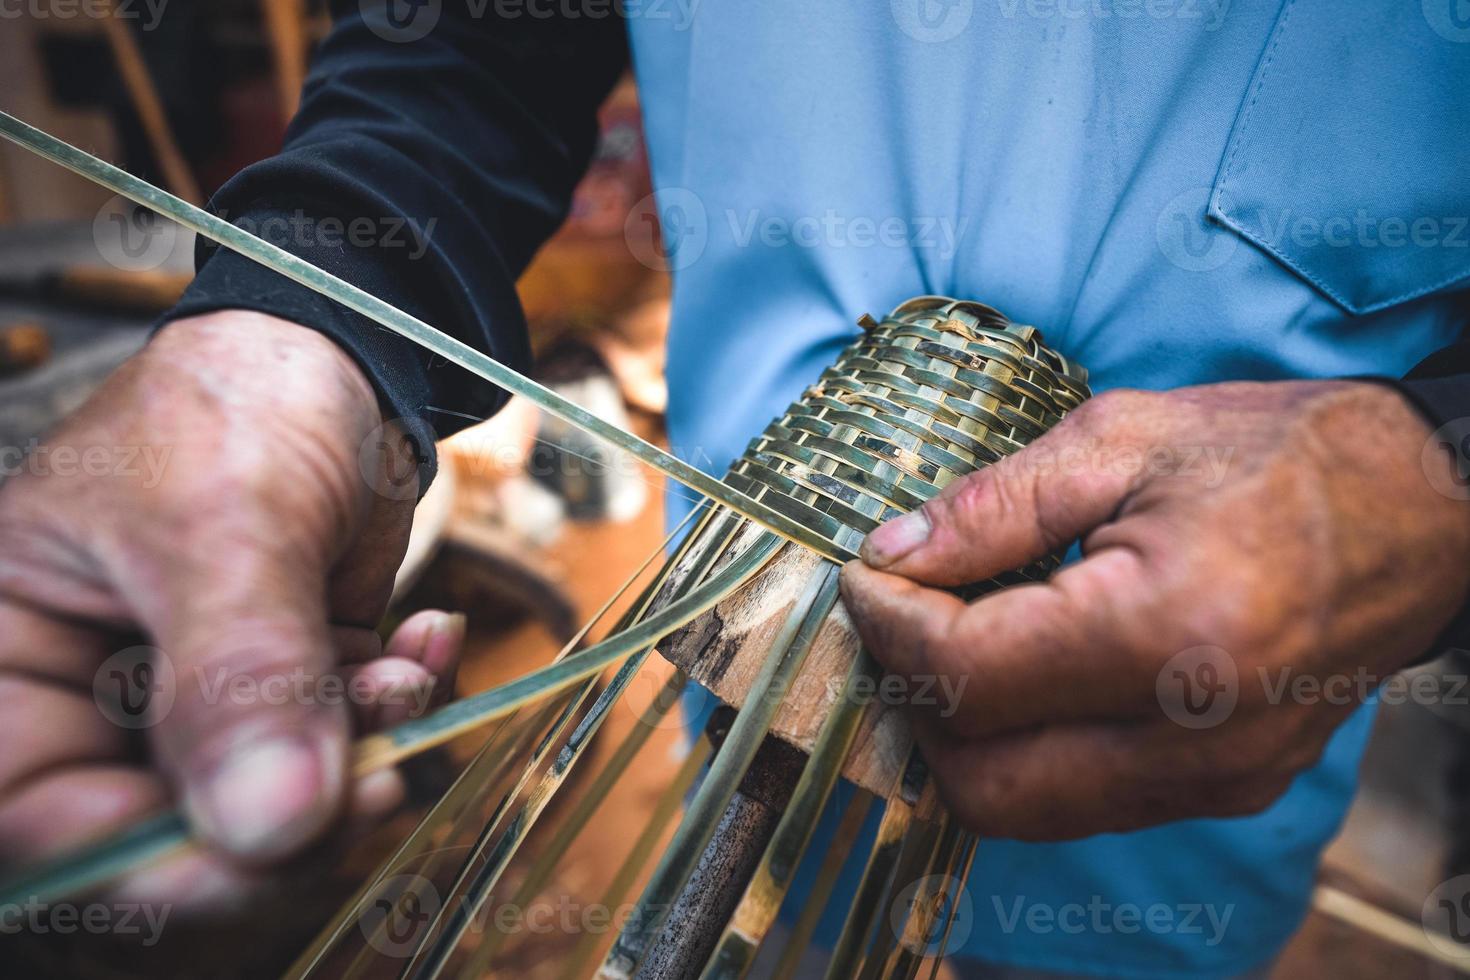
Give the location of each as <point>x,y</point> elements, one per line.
<point>1445,404</point>
<point>399,370</point>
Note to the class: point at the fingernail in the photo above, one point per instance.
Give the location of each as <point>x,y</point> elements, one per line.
<point>442,640</point>
<point>267,798</point>
<point>451,626</point>
<point>895,539</point>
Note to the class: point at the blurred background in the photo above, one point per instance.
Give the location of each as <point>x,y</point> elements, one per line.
<point>530,526</point>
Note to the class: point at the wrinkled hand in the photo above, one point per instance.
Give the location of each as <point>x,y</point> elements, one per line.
<point>211,500</point>
<point>1234,536</point>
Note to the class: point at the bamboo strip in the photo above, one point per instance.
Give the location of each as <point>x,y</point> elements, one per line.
<point>139,82</point>
<point>385,314</point>
<point>102,862</point>
<point>443,811</point>
<point>816,903</point>
<point>736,752</point>
<point>627,873</point>
<point>757,911</point>
<point>482,883</point>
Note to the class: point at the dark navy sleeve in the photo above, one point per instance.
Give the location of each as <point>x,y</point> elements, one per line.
<point>1439,386</point>
<point>427,170</point>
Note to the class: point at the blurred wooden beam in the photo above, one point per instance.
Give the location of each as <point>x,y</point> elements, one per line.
<point>285,23</point>
<point>139,83</point>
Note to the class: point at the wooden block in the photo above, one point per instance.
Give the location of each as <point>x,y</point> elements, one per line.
<point>724,650</point>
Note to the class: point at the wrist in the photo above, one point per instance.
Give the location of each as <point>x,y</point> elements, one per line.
<point>242,354</point>
<point>1436,458</point>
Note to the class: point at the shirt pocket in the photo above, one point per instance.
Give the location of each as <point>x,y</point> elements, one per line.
<point>1349,160</point>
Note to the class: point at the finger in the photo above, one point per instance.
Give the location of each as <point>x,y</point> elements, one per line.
<point>201,883</point>
<point>411,674</point>
<point>1072,781</point>
<point>50,718</point>
<point>435,639</point>
<point>356,644</point>
<point>1004,516</point>
<point>362,579</point>
<point>1050,784</point>
<point>1029,654</point>
<point>64,807</point>
<point>388,691</point>
<point>259,756</point>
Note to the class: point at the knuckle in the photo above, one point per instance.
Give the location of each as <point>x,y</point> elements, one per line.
<point>1105,412</point>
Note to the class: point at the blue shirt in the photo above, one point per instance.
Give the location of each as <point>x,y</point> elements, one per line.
<point>1056,159</point>
<point>817,159</point>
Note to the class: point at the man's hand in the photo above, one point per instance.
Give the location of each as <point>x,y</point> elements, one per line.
<point>1233,535</point>
<point>212,500</point>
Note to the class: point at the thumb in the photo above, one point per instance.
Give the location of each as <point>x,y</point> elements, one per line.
<point>254,724</point>
<point>1004,516</point>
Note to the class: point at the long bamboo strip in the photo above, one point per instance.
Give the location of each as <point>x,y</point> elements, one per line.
<point>920,850</point>
<point>429,851</point>
<point>967,862</point>
<point>566,833</point>
<point>918,929</point>
<point>102,862</point>
<point>470,779</point>
<point>789,651</point>
<point>768,886</point>
<point>848,829</point>
<point>385,314</point>
<point>465,907</point>
<point>627,873</point>
<point>475,776</point>
<point>481,883</point>
<point>882,859</point>
<point>453,917</point>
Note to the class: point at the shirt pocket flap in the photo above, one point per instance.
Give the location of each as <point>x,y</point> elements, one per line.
<point>1349,160</point>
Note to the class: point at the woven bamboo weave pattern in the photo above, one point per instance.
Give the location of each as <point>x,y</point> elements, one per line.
<point>937,389</point>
